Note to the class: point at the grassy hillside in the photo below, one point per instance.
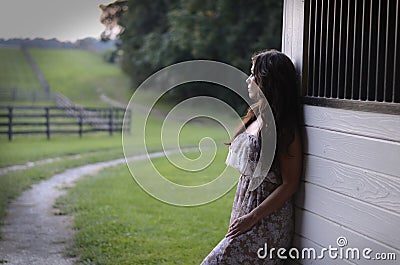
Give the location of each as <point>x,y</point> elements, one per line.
<point>15,71</point>
<point>78,74</point>
<point>81,75</point>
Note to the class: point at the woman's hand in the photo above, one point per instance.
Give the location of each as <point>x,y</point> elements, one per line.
<point>241,225</point>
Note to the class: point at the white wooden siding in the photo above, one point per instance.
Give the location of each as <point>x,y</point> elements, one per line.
<point>377,189</point>
<point>292,37</point>
<point>351,181</point>
<point>306,243</point>
<point>307,224</point>
<point>363,218</point>
<point>370,124</point>
<point>365,152</point>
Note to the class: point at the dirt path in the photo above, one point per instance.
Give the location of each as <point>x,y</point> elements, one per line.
<point>29,164</point>
<point>33,232</point>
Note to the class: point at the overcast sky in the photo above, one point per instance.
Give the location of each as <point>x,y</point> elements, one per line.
<point>61,19</point>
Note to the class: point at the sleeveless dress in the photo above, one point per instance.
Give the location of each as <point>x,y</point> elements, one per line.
<point>274,230</point>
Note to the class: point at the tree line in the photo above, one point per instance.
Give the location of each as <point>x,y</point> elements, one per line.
<point>160,33</point>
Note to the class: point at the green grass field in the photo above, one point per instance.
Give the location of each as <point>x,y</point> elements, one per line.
<point>82,76</point>
<point>15,71</point>
<point>115,221</point>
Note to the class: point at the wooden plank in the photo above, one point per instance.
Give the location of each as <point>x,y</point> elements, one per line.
<point>292,262</point>
<point>303,243</point>
<point>368,153</point>
<point>287,28</point>
<point>382,126</point>
<point>366,219</point>
<point>375,188</point>
<point>297,37</point>
<point>292,33</point>
<point>310,225</point>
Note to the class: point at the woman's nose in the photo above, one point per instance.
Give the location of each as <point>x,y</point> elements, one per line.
<point>248,80</point>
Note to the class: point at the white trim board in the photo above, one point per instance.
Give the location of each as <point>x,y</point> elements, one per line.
<point>376,125</point>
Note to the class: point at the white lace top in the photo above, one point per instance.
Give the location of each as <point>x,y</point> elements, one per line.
<point>244,155</point>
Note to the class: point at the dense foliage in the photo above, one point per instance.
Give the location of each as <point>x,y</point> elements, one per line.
<point>159,33</point>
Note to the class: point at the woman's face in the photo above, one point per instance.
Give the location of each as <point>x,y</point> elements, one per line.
<point>252,87</point>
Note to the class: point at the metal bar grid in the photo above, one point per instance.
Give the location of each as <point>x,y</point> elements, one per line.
<point>333,48</point>
<point>361,87</point>
<point>340,56</point>
<point>395,54</point>
<point>309,70</point>
<point>321,33</point>
<point>315,89</point>
<point>353,50</point>
<point>346,77</point>
<point>354,58</point>
<point>377,51</point>
<point>327,50</point>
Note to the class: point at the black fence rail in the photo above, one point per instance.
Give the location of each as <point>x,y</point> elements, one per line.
<point>57,120</point>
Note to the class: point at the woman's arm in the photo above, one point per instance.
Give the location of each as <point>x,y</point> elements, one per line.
<point>291,167</point>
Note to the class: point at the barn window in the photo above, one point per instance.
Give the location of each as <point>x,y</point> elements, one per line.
<point>352,54</point>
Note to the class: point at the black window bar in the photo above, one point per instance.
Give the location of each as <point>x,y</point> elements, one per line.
<point>352,54</point>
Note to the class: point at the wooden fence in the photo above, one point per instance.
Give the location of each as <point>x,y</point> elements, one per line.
<point>58,120</point>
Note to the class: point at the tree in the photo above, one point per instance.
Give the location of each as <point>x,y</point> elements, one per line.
<point>160,33</point>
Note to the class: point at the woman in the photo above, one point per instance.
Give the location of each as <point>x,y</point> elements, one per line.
<point>262,212</point>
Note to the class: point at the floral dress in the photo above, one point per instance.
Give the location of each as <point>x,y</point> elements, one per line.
<point>273,231</point>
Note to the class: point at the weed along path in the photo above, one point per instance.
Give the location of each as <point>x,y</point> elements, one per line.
<point>34,232</point>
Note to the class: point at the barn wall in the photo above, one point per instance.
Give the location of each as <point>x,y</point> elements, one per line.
<point>351,181</point>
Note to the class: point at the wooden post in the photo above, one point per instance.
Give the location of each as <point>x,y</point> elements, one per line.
<point>47,114</point>
<point>110,123</point>
<point>116,116</point>
<point>129,118</point>
<point>80,122</point>
<point>10,119</point>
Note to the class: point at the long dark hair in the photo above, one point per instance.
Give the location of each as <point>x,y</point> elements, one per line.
<point>276,76</point>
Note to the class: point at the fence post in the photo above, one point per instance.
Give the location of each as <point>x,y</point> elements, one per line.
<point>10,119</point>
<point>80,121</point>
<point>110,123</point>
<point>130,120</point>
<point>47,122</point>
<point>116,118</point>
<point>126,121</point>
